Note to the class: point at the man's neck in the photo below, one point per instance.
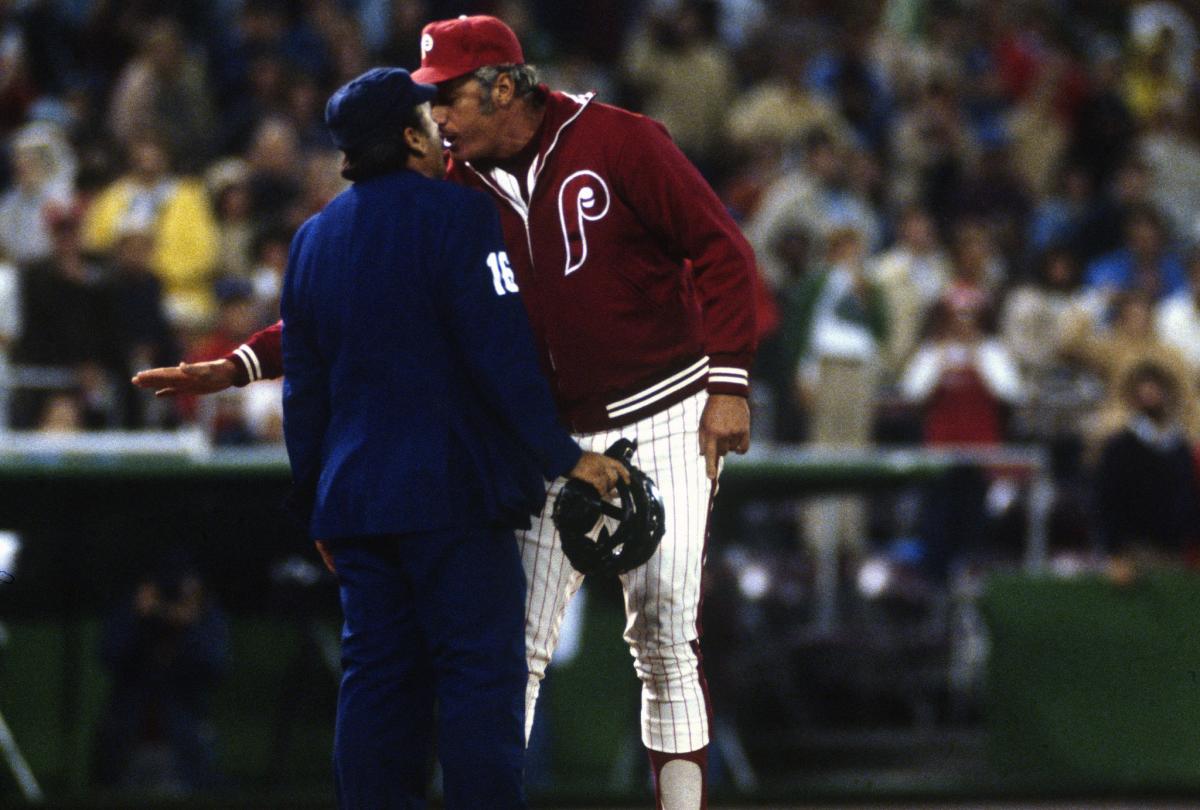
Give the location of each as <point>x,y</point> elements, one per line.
<point>146,180</point>
<point>522,131</point>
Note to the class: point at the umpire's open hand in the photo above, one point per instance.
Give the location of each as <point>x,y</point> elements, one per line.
<point>187,378</point>
<point>600,471</point>
<point>724,426</point>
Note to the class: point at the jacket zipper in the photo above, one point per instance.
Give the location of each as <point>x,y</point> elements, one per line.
<point>533,272</point>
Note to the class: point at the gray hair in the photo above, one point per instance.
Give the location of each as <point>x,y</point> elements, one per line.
<point>525,77</point>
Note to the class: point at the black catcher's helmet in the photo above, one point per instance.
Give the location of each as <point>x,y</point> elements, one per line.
<point>579,514</point>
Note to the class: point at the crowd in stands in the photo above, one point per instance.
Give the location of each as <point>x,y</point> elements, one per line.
<point>976,222</point>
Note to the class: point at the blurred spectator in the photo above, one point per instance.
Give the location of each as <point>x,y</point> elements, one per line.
<point>347,51</point>
<point>1129,193</point>
<point>963,379</point>
<point>1149,84</point>
<point>782,109</point>
<point>1146,486</point>
<point>999,52</point>
<point>17,89</point>
<point>1034,313</point>
<point>67,314</point>
<point>839,371</point>
<point>43,187</point>
<point>227,182</point>
<point>1177,317</point>
<point>403,45</point>
<point>1114,353</point>
<point>992,192</point>
<point>979,271</point>
<point>143,335</point>
<point>918,44</point>
<point>739,20</point>
<point>165,89</point>
<point>684,77</point>
<point>1105,128</point>
<point>1155,21</point>
<point>849,73</point>
<point>779,354</point>
<point>913,275</point>
<point>1039,132</point>
<point>931,148</point>
<point>271,248</point>
<point>750,173</point>
<point>1064,215</point>
<point>1146,263</point>
<point>176,210</point>
<point>321,182</point>
<point>71,112</point>
<point>817,198</point>
<point>276,172</point>
<point>1034,320</point>
<point>259,26</point>
<point>264,96</point>
<point>166,648</point>
<point>1172,156</point>
<point>304,106</point>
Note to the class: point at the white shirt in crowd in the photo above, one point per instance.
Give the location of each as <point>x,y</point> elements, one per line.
<point>989,357</point>
<point>1177,322</point>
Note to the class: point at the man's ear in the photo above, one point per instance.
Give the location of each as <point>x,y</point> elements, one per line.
<point>504,90</point>
<point>416,140</point>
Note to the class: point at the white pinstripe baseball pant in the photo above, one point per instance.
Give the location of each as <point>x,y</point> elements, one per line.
<point>661,597</point>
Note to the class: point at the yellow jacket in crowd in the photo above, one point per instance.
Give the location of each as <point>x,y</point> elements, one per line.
<point>184,231</point>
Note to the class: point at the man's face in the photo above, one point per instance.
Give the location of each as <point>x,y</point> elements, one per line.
<point>1153,397</point>
<point>467,123</point>
<point>148,159</point>
<point>433,162</point>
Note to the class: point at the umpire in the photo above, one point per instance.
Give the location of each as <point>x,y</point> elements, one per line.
<point>420,431</point>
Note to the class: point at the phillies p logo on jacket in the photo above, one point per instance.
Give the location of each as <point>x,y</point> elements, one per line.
<point>583,197</point>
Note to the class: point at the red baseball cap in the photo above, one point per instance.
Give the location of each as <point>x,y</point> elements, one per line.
<point>453,48</point>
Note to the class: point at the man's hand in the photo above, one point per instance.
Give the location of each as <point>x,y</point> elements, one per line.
<point>600,471</point>
<point>724,426</point>
<point>188,378</point>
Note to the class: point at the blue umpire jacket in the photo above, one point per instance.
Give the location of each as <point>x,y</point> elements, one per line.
<point>412,396</point>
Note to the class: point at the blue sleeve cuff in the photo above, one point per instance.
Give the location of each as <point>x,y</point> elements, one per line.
<point>563,456</point>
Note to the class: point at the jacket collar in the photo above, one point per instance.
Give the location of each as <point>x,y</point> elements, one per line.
<point>561,111</point>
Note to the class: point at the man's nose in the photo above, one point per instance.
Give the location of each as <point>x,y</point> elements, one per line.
<point>438,113</point>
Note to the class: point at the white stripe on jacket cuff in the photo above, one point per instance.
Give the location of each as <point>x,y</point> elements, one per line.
<point>728,375</point>
<point>250,361</point>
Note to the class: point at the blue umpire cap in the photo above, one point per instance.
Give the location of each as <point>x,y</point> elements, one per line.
<point>368,105</point>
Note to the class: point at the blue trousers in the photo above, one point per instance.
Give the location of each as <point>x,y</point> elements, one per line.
<point>431,617</point>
